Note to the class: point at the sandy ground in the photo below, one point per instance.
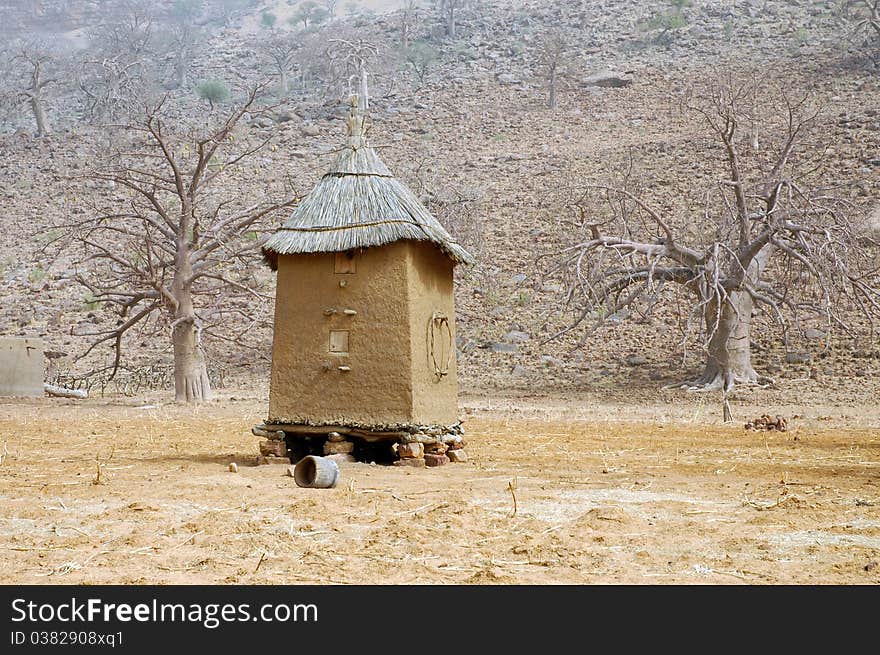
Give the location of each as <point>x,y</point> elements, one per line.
<point>557,491</point>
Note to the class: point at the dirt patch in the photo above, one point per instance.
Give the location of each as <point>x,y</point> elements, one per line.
<point>671,497</point>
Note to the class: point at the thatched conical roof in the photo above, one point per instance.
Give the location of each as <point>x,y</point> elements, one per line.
<point>358,204</point>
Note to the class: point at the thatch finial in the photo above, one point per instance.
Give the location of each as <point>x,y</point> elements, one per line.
<point>356,123</point>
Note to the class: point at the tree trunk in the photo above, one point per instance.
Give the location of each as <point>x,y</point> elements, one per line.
<point>729,351</point>
<point>282,82</point>
<point>729,356</point>
<point>450,21</point>
<point>39,116</point>
<point>182,66</point>
<point>191,383</point>
<point>551,101</point>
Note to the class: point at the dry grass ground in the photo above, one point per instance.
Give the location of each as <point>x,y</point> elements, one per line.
<point>663,494</point>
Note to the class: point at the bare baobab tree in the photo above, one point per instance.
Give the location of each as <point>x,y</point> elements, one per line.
<point>348,65</point>
<point>120,62</point>
<point>29,80</point>
<point>769,236</point>
<point>281,49</point>
<point>170,248</point>
<point>182,37</point>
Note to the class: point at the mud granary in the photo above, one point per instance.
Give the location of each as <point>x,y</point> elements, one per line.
<point>364,334</point>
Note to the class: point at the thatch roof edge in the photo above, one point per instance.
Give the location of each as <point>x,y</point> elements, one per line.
<point>358,203</point>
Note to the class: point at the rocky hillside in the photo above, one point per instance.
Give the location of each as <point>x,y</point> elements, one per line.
<point>464,122</point>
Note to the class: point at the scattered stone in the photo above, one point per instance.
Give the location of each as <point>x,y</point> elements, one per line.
<point>262,122</point>
<point>767,423</point>
<point>335,437</point>
<point>466,346</point>
<point>273,448</point>
<point>516,335</point>
<point>291,471</point>
<point>813,334</point>
<point>497,347</point>
<point>419,437</point>
<point>260,431</point>
<point>340,458</point>
<point>607,79</point>
<point>507,78</point>
<point>432,459</point>
<point>457,456</point>
<point>310,130</point>
<point>518,371</point>
<point>620,316</point>
<point>417,462</point>
<point>338,447</point>
<point>436,448</point>
<point>870,566</point>
<point>636,360</point>
<point>233,467</point>
<point>412,449</point>
<point>456,443</point>
<point>798,358</point>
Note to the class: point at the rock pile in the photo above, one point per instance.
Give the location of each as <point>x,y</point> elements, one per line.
<point>767,423</point>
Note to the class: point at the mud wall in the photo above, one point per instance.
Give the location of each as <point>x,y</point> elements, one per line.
<point>307,384</point>
<point>432,335</point>
<point>22,367</point>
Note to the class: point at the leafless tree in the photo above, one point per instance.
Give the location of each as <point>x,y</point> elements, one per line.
<point>461,207</point>
<point>348,64</point>
<point>227,8</point>
<point>408,15</point>
<point>865,17</point>
<point>29,65</point>
<point>769,236</point>
<point>281,49</point>
<point>305,13</point>
<point>422,58</point>
<point>183,36</point>
<point>310,60</point>
<point>120,63</point>
<point>447,10</point>
<point>174,244</point>
<point>866,14</point>
<point>552,56</point>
